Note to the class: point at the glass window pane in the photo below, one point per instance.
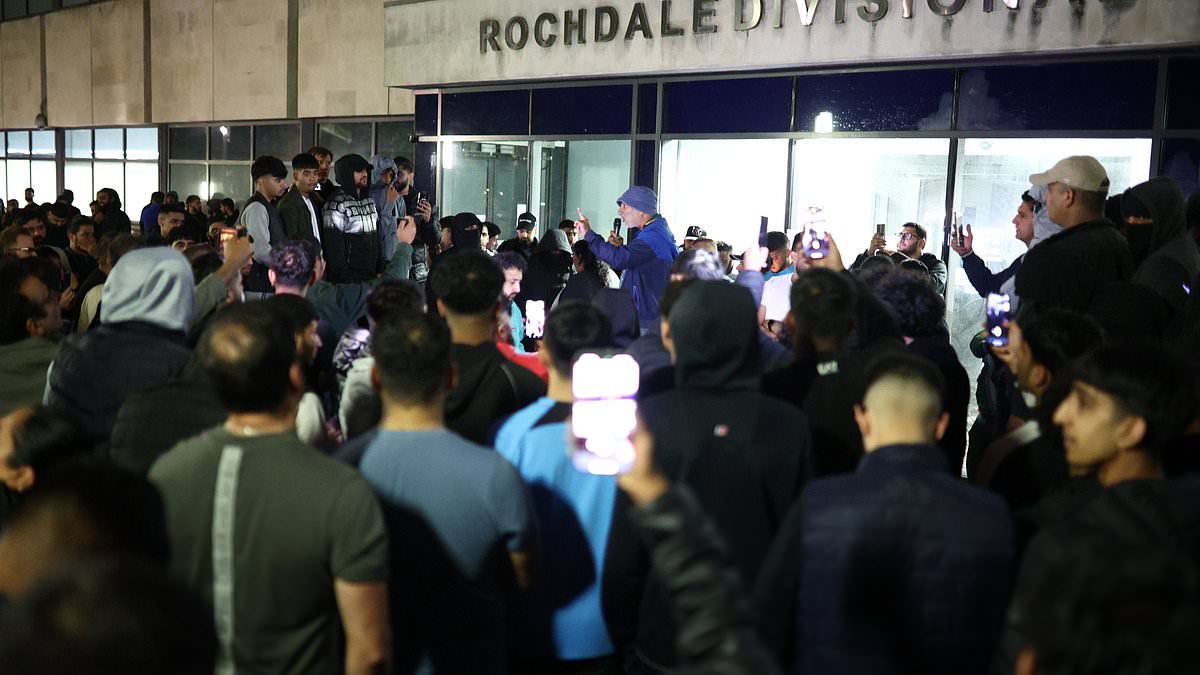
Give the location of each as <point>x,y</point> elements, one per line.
<point>226,142</point>
<point>427,115</point>
<point>44,180</point>
<point>896,181</point>
<point>1183,97</point>
<point>885,101</point>
<point>41,6</point>
<point>688,195</point>
<point>1062,96</point>
<point>346,138</point>
<point>74,3</point>
<point>141,180</point>
<point>583,110</point>
<point>647,158</point>
<point>141,143</point>
<point>425,163</point>
<point>43,143</point>
<point>277,140</point>
<point>391,139</point>
<point>79,143</point>
<point>189,143</point>
<point>189,179</point>
<point>77,177</point>
<point>111,175</point>
<point>647,108</point>
<point>719,106</point>
<point>4,185</point>
<point>110,144</point>
<point>486,113</point>
<point>586,175</point>
<point>230,181</point>
<point>1181,161</point>
<point>487,179</point>
<point>18,179</point>
<point>14,9</point>
<point>18,143</point>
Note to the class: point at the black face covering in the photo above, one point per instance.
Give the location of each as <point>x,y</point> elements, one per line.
<point>1160,200</point>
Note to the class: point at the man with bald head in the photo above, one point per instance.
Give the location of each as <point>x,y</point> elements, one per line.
<point>899,567</point>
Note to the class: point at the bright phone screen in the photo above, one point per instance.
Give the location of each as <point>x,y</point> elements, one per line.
<point>604,414</point>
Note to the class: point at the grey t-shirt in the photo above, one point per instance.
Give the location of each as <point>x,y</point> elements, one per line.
<point>469,495</point>
<point>261,527</point>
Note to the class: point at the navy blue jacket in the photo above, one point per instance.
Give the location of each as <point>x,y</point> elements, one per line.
<point>983,279</point>
<point>647,264</point>
<point>898,568</point>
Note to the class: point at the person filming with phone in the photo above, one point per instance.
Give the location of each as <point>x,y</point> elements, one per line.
<point>910,246</point>
<point>646,260</point>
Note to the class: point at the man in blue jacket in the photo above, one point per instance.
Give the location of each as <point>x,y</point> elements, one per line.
<point>647,259</point>
<point>900,567</point>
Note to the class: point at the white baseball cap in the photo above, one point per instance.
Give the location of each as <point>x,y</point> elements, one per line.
<point>1080,172</point>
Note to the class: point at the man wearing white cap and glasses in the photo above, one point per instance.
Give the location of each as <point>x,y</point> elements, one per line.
<point>1076,189</point>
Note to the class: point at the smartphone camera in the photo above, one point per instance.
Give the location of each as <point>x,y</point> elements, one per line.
<point>535,319</point>
<point>604,414</point>
<point>999,307</point>
<point>816,242</point>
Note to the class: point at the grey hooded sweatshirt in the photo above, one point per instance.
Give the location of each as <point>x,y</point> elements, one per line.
<point>145,310</point>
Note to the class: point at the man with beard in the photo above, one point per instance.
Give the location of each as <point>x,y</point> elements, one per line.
<point>353,251</point>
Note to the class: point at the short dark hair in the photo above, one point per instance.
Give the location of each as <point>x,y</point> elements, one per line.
<point>187,232</point>
<point>46,441</point>
<point>566,224</point>
<point>573,327</point>
<point>468,283</point>
<point>1105,606</point>
<point>405,164</point>
<point>192,198</point>
<point>60,210</point>
<point>152,624</point>
<point>509,261</point>
<point>26,216</point>
<point>1057,336</point>
<point>412,356</point>
<point>174,207</point>
<point>121,245</point>
<point>671,295</point>
<point>903,366</point>
<point>293,262</point>
<point>16,311</point>
<point>394,297</point>
<point>171,194</point>
<point>697,263</point>
<point>921,232</point>
<point>320,151</point>
<point>295,312</point>
<point>1146,381</point>
<point>157,197</point>
<point>493,230</point>
<point>228,202</point>
<point>777,241</point>
<point>268,166</point>
<point>918,309</point>
<point>824,304</point>
<point>874,268</point>
<point>248,355</point>
<point>305,161</point>
<point>78,224</point>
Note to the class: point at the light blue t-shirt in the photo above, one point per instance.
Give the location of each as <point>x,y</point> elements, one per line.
<point>467,493</point>
<point>575,514</point>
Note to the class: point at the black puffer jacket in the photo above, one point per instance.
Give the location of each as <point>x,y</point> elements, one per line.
<point>351,236</point>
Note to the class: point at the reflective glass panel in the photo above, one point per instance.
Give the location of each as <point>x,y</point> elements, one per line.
<point>189,143</point>
<point>43,143</point>
<point>721,106</point>
<point>230,181</point>
<point>1181,161</point>
<point>345,138</point>
<point>491,113</point>
<point>18,180</point>
<point>77,177</point>
<point>647,108</point>
<point>1183,94</point>
<point>883,101</point>
<point>583,110</point>
<point>228,142</point>
<point>727,206</point>
<point>427,115</point>
<point>141,143</point>
<point>391,139</point>
<point>18,143</point>
<point>78,142</point>
<point>587,175</point>
<point>141,180</point>
<point>189,179</point>
<point>488,179</point>
<point>44,178</point>
<point>110,144</point>
<point>860,182</point>
<point>277,140</point>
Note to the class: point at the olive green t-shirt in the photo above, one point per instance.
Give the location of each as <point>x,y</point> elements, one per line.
<point>261,527</point>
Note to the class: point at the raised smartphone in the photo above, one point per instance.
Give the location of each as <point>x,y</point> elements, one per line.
<point>604,414</point>
<point>816,242</point>
<point>762,232</point>
<point>960,235</point>
<point>535,319</point>
<point>999,307</point>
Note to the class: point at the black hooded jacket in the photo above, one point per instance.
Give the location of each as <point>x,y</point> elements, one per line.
<point>743,454</point>
<point>1167,257</point>
<point>353,253</point>
<point>550,267</point>
<point>489,389</point>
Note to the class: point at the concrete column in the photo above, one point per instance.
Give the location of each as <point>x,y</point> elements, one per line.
<point>341,59</point>
<point>181,60</point>
<point>118,63</point>
<point>69,67</point>
<point>250,39</point>
<point>21,63</point>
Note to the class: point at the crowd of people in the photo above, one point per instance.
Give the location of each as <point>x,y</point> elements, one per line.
<point>331,431</point>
